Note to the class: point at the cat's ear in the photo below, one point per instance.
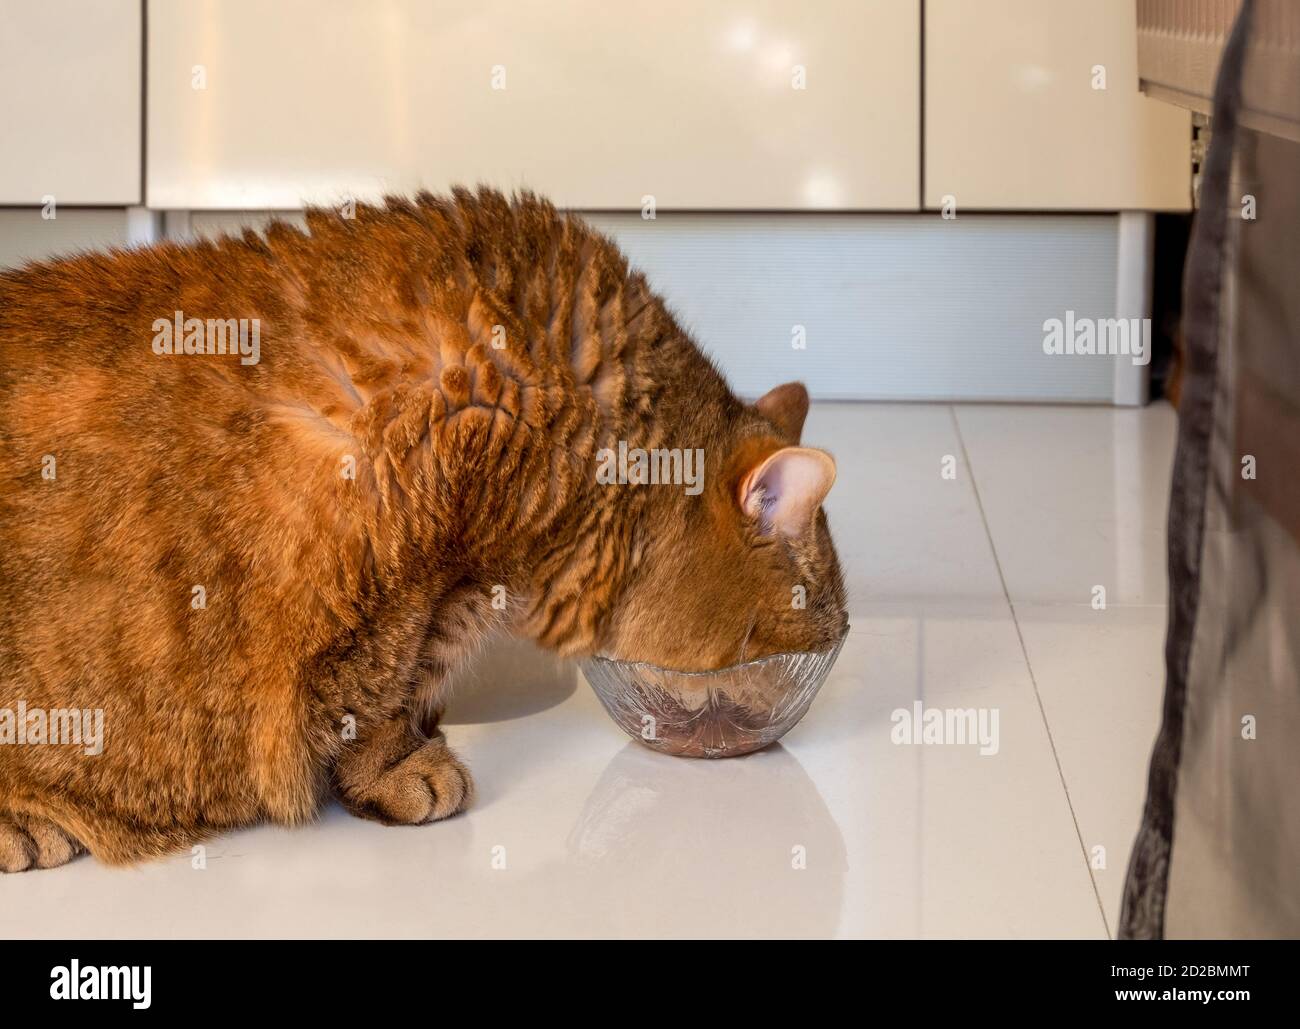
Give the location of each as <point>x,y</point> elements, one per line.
<point>786,407</point>
<point>786,488</point>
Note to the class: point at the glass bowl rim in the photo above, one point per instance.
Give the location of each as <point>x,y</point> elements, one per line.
<point>829,651</point>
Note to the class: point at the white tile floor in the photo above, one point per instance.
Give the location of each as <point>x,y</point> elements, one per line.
<point>966,592</point>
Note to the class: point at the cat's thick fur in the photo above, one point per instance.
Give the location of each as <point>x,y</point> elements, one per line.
<point>262,573</point>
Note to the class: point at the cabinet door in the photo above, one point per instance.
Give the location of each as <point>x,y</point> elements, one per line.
<point>1014,117</point>
<point>765,104</point>
<point>70,119</point>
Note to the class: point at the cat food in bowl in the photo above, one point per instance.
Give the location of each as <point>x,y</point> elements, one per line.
<point>725,713</point>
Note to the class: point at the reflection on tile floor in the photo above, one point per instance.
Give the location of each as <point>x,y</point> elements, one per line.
<point>971,592</point>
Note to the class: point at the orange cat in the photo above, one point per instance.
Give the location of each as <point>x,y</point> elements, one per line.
<point>260,495</point>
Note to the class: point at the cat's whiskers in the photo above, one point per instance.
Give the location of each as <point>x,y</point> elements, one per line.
<point>753,621</point>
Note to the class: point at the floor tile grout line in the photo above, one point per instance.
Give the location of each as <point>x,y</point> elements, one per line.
<point>1033,680</point>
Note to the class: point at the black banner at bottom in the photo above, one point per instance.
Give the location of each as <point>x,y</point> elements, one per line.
<point>217,978</point>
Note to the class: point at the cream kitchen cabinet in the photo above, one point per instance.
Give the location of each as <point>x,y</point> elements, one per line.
<point>766,104</point>
<point>70,102</point>
<point>1034,104</point>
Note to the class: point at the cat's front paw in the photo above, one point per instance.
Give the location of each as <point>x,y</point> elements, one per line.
<point>28,841</point>
<point>428,784</point>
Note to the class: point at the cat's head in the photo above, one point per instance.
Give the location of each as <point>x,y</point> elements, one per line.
<point>746,568</point>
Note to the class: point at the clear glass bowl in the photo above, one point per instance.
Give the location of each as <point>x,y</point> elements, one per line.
<point>725,713</point>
